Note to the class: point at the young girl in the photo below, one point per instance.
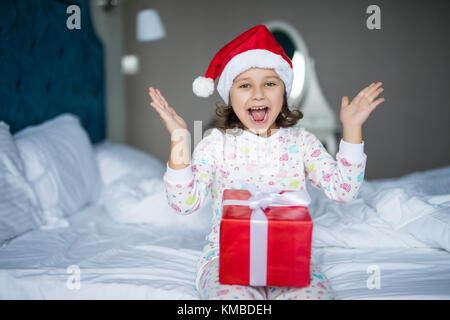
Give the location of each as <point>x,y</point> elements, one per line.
<point>260,145</point>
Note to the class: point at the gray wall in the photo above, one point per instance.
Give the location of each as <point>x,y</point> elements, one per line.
<point>109,27</point>
<point>408,132</point>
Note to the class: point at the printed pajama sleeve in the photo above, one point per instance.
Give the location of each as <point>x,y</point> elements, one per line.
<point>186,189</point>
<point>339,179</point>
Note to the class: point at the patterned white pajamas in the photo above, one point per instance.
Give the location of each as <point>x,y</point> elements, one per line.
<point>283,161</point>
<point>210,288</point>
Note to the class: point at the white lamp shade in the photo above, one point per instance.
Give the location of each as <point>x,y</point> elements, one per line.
<point>149,26</point>
<point>130,64</point>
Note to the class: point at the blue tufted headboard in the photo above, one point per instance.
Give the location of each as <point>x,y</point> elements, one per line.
<point>47,69</point>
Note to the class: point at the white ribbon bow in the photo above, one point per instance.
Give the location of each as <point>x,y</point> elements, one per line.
<point>260,200</point>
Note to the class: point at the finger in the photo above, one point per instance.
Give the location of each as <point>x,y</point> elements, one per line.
<point>357,99</point>
<point>157,103</point>
<point>375,94</point>
<point>162,97</point>
<point>162,103</point>
<point>363,92</point>
<point>377,102</point>
<point>157,107</point>
<point>158,99</point>
<point>344,101</point>
<point>152,93</point>
<point>162,113</point>
<point>166,104</point>
<point>168,112</point>
<point>372,89</point>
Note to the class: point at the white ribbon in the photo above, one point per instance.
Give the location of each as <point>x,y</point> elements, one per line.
<point>260,200</point>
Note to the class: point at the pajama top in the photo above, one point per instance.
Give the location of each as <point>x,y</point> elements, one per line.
<point>283,161</point>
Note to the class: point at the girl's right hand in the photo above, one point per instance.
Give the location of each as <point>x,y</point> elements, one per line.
<point>171,120</point>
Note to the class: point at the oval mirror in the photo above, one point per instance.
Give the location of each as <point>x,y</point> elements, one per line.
<point>295,48</point>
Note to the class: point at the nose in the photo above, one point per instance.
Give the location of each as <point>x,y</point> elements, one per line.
<point>258,93</point>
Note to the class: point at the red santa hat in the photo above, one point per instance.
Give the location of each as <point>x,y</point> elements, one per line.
<point>255,47</point>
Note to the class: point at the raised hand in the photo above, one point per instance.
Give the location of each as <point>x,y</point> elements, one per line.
<point>353,115</point>
<point>171,119</point>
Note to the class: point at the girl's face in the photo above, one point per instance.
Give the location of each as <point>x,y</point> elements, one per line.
<point>253,89</point>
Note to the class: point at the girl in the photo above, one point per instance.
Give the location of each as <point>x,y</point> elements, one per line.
<point>260,145</point>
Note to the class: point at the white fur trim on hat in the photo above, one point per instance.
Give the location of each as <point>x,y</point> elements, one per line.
<point>256,58</point>
<point>203,87</point>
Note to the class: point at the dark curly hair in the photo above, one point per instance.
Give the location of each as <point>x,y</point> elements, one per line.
<point>227,119</point>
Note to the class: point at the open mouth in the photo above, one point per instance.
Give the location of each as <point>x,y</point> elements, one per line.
<point>259,114</point>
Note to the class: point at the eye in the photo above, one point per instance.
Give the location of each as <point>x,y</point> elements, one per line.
<point>274,84</point>
<point>245,84</point>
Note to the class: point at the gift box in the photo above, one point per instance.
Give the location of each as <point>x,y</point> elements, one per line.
<point>265,238</point>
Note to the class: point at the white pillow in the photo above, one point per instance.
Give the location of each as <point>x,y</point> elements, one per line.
<point>116,160</point>
<point>141,199</point>
<point>61,167</point>
<point>19,208</point>
<point>134,192</point>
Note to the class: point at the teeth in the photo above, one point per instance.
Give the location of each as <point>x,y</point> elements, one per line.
<point>258,108</point>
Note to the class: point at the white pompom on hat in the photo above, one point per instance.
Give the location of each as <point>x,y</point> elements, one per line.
<point>255,48</point>
<point>203,87</point>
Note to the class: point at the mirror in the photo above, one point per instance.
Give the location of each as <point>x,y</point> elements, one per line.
<point>306,94</point>
<point>294,47</point>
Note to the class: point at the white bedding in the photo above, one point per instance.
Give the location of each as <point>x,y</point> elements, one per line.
<point>157,260</point>
<point>413,273</point>
<point>116,261</point>
<point>397,229</point>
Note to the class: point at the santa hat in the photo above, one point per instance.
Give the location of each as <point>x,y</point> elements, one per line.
<point>255,47</point>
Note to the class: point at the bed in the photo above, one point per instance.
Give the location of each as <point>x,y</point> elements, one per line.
<point>131,245</point>
<point>109,233</point>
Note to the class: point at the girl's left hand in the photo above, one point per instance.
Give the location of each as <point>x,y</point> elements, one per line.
<point>353,115</point>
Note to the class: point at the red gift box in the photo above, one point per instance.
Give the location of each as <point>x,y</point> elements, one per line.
<point>287,245</point>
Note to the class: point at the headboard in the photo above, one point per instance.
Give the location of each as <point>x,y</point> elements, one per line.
<point>47,69</point>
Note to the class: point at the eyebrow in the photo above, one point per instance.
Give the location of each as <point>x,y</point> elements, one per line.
<point>266,77</point>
